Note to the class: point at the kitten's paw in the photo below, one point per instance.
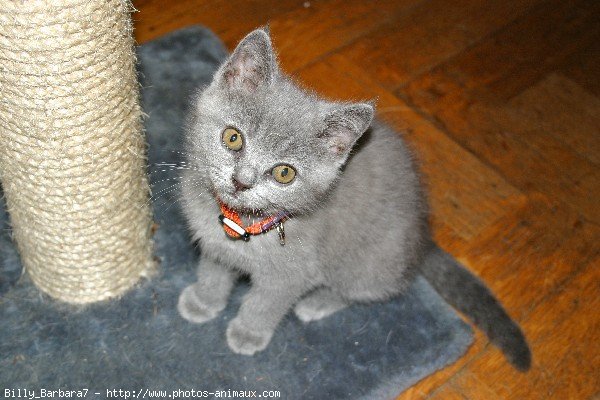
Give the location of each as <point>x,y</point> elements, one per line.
<point>317,305</point>
<point>196,309</point>
<point>245,340</point>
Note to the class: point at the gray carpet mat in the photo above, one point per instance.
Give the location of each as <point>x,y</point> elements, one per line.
<point>139,342</point>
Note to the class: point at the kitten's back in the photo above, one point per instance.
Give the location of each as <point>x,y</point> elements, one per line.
<point>376,218</point>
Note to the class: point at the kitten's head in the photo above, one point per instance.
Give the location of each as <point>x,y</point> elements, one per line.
<point>263,144</point>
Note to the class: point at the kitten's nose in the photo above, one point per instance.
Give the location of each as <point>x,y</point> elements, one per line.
<point>243,178</point>
<point>239,186</point>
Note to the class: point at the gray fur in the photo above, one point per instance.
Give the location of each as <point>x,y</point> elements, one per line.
<point>359,221</point>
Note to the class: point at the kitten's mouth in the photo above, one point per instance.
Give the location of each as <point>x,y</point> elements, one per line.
<point>234,200</point>
<point>240,199</point>
<point>245,212</point>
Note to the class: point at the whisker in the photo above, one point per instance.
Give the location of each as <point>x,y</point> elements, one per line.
<point>179,198</point>
<point>172,188</point>
<point>174,167</point>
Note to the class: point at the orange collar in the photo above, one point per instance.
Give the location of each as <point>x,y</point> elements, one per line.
<point>232,224</point>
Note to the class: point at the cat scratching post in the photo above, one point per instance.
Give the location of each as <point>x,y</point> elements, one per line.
<point>72,153</point>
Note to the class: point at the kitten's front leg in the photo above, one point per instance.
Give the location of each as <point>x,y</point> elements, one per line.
<point>262,309</point>
<point>205,299</point>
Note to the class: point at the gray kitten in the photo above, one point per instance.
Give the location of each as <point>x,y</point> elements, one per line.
<point>351,219</point>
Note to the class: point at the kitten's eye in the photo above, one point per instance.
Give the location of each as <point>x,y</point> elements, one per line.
<point>284,173</point>
<point>233,139</point>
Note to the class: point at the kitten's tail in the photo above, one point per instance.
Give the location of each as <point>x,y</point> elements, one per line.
<point>469,295</point>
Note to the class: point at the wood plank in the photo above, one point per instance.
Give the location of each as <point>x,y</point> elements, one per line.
<point>476,388</point>
<point>428,34</point>
<point>584,68</point>
<point>449,392</point>
<point>306,34</point>
<point>540,42</point>
<point>301,31</point>
<point>464,194</point>
<point>534,250</point>
<point>533,147</point>
<point>530,146</point>
<point>543,105</point>
<point>563,332</point>
<point>501,66</point>
<point>230,20</point>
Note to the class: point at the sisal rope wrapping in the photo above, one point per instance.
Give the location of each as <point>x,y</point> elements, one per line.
<point>72,153</point>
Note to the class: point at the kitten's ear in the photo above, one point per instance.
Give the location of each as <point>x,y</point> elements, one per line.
<point>252,63</point>
<point>344,125</point>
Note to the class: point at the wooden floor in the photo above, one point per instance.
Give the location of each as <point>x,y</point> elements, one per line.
<point>501,102</point>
